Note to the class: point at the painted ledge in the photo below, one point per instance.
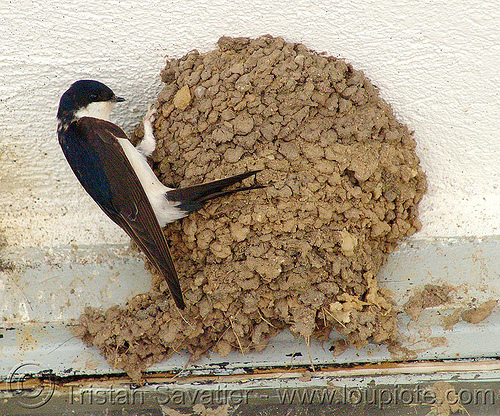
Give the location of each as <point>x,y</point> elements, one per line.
<point>45,290</point>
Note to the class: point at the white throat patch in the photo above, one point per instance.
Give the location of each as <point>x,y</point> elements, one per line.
<point>99,109</point>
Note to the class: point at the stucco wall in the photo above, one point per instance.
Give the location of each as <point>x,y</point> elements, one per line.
<point>435,62</point>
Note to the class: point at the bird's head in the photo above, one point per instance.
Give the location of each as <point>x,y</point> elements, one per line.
<point>87,98</point>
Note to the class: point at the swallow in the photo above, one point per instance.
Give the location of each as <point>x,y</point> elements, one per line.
<point>119,179</point>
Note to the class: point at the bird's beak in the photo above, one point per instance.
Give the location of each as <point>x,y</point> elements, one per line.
<point>118,99</point>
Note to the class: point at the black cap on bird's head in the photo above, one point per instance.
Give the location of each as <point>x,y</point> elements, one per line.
<point>83,93</point>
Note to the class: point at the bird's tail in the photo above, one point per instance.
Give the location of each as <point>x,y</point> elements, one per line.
<point>194,197</point>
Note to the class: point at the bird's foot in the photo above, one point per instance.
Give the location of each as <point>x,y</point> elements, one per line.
<point>150,116</point>
<point>148,143</point>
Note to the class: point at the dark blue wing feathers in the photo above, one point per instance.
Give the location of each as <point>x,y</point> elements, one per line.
<point>87,166</point>
<point>99,162</point>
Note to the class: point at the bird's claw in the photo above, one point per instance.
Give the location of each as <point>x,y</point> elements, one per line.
<point>150,114</point>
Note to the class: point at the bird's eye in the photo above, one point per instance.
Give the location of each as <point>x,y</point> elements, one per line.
<point>94,96</point>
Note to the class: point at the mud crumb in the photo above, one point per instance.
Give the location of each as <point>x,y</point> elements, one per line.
<point>343,182</point>
<point>447,400</point>
<point>306,376</point>
<point>476,315</point>
<point>401,353</point>
<point>6,266</point>
<point>339,347</point>
<point>449,321</point>
<point>430,296</point>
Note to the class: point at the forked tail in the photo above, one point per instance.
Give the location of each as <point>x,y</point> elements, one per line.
<point>194,197</point>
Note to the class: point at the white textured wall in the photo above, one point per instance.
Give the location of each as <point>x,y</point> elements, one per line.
<point>436,62</point>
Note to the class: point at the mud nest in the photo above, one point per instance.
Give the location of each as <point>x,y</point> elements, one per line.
<point>343,187</point>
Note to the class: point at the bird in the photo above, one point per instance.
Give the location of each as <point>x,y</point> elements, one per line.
<point>117,176</point>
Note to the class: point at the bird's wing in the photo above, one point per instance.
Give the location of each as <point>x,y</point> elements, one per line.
<point>129,205</point>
